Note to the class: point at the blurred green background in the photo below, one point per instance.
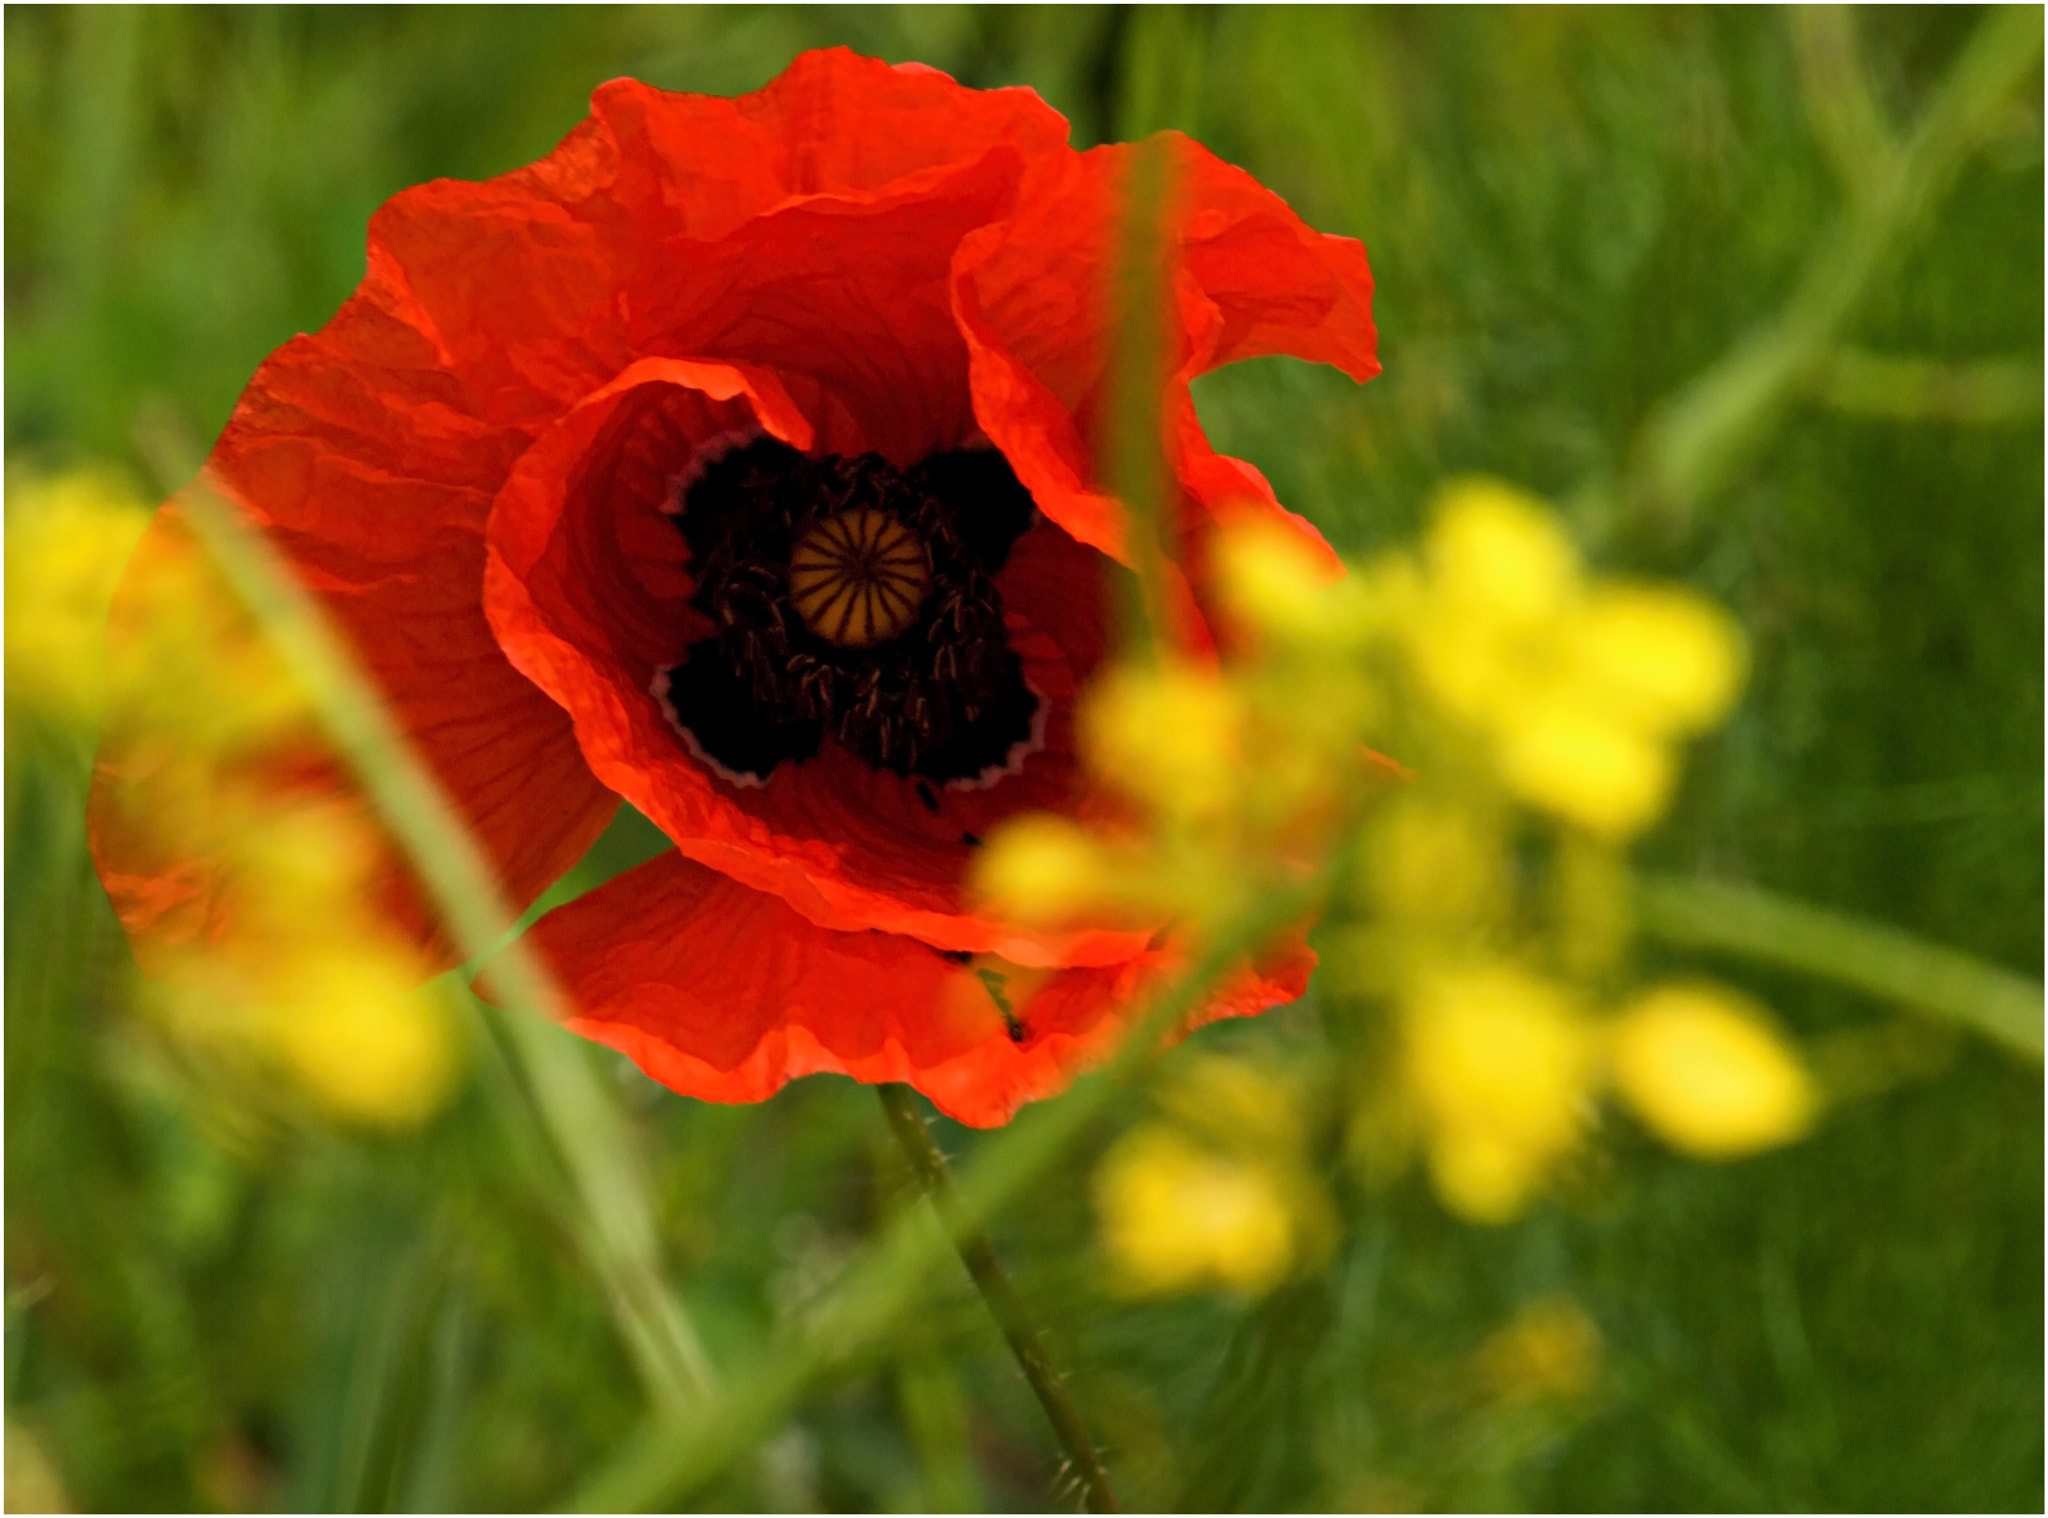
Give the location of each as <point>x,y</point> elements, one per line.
<point>1570,215</point>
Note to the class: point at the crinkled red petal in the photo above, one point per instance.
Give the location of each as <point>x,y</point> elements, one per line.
<point>694,225</point>
<point>348,449</point>
<point>725,993</point>
<point>1033,295</point>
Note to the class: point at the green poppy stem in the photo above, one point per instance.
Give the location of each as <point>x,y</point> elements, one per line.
<point>666,1458</point>
<point>1004,1305</point>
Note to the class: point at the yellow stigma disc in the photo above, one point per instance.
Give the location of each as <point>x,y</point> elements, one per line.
<point>858,578</point>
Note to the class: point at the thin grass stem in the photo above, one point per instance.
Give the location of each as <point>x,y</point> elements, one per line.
<point>1871,957</point>
<point>1136,460</point>
<point>1700,439</point>
<point>569,1101</point>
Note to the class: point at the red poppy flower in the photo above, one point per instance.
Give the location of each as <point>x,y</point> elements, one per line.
<point>737,459</point>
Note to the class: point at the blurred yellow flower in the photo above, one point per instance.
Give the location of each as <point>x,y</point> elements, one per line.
<point>1661,660</point>
<point>363,1037</point>
<point>317,985</point>
<point>1468,671</point>
<point>1500,1065</point>
<point>1483,1174</point>
<point>1177,1216</point>
<point>306,862</point>
<point>1041,868</point>
<point>1168,735</point>
<point>1579,689</point>
<point>1501,578</point>
<point>1703,1068</point>
<point>1576,761</point>
<point>198,672</point>
<point>67,541</point>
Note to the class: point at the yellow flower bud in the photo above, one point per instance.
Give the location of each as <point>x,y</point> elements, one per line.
<point>1483,1175</point>
<point>1585,767</point>
<point>1663,660</point>
<point>1167,735</point>
<point>1703,1068</point>
<point>1177,1217</point>
<point>1041,868</point>
<point>1498,555</point>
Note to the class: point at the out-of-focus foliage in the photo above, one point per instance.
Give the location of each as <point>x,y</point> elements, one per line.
<point>218,1298</point>
<point>1540,710</point>
<point>66,542</point>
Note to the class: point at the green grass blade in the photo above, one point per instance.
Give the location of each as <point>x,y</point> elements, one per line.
<point>1701,438</point>
<point>580,1116</point>
<point>1869,956</point>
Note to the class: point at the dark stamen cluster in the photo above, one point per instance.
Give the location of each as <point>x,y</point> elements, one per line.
<point>943,699</point>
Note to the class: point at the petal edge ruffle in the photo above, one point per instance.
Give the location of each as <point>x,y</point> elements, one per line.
<point>727,994</point>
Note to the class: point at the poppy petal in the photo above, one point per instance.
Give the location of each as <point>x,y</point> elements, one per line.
<point>725,993</point>
<point>349,449</point>
<point>1034,299</point>
<point>655,184</point>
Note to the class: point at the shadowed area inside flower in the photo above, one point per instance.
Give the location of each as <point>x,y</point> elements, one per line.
<point>592,591</point>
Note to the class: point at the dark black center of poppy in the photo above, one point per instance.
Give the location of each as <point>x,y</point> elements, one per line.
<point>853,600</point>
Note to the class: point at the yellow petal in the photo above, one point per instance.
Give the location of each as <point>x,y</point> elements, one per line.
<point>1496,1047</point>
<point>1168,735</point>
<point>1661,659</point>
<point>1176,1217</point>
<point>1483,1176</point>
<point>1041,868</point>
<point>1705,1071</point>
<point>1497,554</point>
<point>1585,767</point>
